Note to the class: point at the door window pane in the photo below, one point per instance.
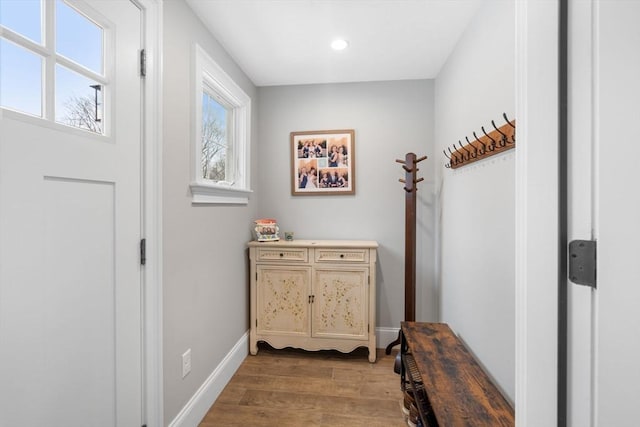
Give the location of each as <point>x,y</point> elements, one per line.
<point>23,17</point>
<point>78,100</point>
<point>78,38</point>
<point>20,79</point>
<point>214,139</point>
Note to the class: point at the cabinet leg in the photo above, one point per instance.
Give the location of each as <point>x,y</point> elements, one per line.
<point>372,354</point>
<point>253,347</point>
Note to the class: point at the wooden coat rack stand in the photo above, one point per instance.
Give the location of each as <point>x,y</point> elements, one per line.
<point>409,164</point>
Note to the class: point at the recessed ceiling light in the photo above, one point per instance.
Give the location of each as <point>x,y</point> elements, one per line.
<point>339,44</point>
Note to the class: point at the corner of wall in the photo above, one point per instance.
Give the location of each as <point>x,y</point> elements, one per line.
<point>196,408</point>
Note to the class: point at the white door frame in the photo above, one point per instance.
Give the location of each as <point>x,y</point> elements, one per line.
<point>536,212</point>
<point>152,214</point>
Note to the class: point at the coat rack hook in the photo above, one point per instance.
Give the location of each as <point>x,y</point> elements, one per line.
<point>462,157</point>
<point>453,157</point>
<point>508,121</point>
<point>460,152</point>
<point>501,143</point>
<point>450,162</point>
<point>463,147</point>
<point>505,138</point>
<point>493,141</point>
<point>475,149</point>
<point>458,159</point>
<point>482,150</point>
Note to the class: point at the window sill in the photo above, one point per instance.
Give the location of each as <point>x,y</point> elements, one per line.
<point>205,193</point>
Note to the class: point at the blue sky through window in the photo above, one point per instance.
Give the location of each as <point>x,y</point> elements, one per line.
<point>23,17</point>
<point>214,138</point>
<point>20,79</point>
<point>77,38</point>
<point>213,107</point>
<point>21,71</point>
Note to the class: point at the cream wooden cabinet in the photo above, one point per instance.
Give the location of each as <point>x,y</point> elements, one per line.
<point>313,294</point>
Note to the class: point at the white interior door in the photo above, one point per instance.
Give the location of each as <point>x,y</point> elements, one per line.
<point>70,215</point>
<point>604,386</point>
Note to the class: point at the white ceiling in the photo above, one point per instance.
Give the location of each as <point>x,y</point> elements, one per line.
<point>286,42</point>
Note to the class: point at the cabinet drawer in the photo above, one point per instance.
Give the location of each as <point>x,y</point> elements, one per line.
<point>283,254</point>
<point>342,255</point>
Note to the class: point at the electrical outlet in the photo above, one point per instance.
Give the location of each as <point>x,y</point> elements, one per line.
<point>186,363</point>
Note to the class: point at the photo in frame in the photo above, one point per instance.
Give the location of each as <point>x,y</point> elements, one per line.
<point>322,162</point>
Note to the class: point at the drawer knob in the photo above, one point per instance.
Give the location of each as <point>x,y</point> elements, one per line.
<point>281,254</point>
<point>341,255</point>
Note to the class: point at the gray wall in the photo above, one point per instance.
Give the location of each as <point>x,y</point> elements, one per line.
<point>476,216</point>
<point>205,268</point>
<point>390,119</point>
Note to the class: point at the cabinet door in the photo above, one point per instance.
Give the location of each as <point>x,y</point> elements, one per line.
<point>340,307</point>
<point>282,299</point>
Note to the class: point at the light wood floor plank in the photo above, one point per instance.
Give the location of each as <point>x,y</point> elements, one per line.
<point>297,388</point>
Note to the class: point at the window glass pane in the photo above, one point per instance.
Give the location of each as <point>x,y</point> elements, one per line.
<point>214,139</point>
<point>20,79</point>
<point>78,100</point>
<point>23,17</point>
<point>78,38</point>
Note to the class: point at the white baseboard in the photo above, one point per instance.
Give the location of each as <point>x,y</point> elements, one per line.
<point>201,401</point>
<point>385,336</point>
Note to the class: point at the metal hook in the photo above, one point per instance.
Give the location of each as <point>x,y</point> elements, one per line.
<point>484,147</point>
<point>505,139</point>
<point>453,157</point>
<point>475,150</point>
<point>507,120</point>
<point>462,146</point>
<point>450,162</point>
<point>462,156</point>
<point>493,141</point>
<point>513,135</point>
<point>457,160</point>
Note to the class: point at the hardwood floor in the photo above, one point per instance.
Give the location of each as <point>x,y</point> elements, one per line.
<point>297,388</point>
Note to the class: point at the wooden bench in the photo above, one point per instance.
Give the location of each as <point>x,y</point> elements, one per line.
<point>450,387</point>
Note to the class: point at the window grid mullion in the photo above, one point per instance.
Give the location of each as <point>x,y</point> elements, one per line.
<point>77,68</point>
<point>48,84</point>
<point>23,41</point>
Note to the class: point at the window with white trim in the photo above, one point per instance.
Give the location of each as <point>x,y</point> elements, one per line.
<point>221,131</point>
<point>53,63</point>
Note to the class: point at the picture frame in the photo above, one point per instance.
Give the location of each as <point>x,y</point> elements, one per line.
<point>323,163</point>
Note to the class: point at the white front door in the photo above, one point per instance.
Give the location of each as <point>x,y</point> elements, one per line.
<point>604,342</point>
<point>70,214</point>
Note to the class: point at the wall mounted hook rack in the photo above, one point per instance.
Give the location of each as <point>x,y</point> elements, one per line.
<point>496,141</point>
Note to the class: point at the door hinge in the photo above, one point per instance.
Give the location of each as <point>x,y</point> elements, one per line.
<point>143,251</point>
<point>143,63</point>
<point>582,262</point>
